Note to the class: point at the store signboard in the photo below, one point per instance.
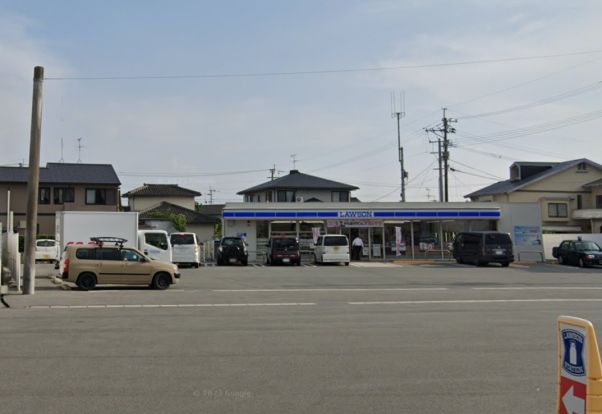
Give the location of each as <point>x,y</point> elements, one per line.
<point>361,223</point>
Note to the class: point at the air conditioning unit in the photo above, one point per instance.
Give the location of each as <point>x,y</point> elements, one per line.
<point>299,199</point>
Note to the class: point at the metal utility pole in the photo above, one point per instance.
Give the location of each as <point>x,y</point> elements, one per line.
<point>211,191</point>
<point>33,184</point>
<point>398,114</point>
<point>442,132</point>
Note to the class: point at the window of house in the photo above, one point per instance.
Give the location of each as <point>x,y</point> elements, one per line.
<point>599,201</point>
<point>558,210</point>
<point>286,196</point>
<point>579,201</point>
<point>340,196</point>
<point>100,196</point>
<point>582,166</point>
<point>64,195</point>
<point>268,197</point>
<point>44,195</point>
<point>251,197</point>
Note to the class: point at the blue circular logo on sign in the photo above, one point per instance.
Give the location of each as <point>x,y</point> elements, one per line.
<point>572,360</point>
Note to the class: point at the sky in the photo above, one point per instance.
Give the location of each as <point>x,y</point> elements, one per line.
<point>211,95</point>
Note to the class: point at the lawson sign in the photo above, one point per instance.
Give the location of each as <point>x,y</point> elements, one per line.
<point>352,214</point>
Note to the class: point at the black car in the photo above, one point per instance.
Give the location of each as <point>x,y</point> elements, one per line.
<point>483,247</point>
<point>232,250</point>
<point>578,252</point>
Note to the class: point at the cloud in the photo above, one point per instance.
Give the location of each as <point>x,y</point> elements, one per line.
<point>19,53</point>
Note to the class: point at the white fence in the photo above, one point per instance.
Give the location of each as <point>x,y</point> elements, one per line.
<point>553,240</point>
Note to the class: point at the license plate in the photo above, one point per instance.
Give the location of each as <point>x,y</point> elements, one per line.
<point>286,260</point>
<point>336,249</point>
<point>232,260</point>
<point>46,257</point>
<point>498,252</point>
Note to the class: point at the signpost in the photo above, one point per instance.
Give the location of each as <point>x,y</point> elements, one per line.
<point>579,367</point>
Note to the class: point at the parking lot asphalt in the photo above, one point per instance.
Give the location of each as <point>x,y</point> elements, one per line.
<point>365,338</point>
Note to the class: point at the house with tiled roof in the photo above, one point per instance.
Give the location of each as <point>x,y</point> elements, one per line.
<point>150,195</point>
<point>159,217</point>
<point>63,187</point>
<point>297,187</point>
<point>569,193</point>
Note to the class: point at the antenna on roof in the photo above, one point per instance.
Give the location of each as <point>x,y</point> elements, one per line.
<point>79,150</point>
<point>294,159</point>
<point>62,148</point>
<point>211,191</point>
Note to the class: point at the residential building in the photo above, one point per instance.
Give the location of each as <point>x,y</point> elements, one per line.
<point>297,187</point>
<point>569,193</point>
<point>151,195</point>
<point>63,187</point>
<point>158,217</point>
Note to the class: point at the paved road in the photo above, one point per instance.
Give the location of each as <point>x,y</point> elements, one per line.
<point>428,339</point>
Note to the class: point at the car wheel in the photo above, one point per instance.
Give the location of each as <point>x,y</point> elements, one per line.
<point>161,281</point>
<point>195,265</point>
<point>346,263</point>
<point>315,259</point>
<point>581,262</point>
<point>505,264</point>
<point>459,260</point>
<point>245,262</point>
<point>86,281</point>
<point>560,260</point>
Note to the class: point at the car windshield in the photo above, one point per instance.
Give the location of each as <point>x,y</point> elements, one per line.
<point>335,241</point>
<point>587,246</point>
<point>284,244</point>
<point>182,239</point>
<point>232,242</point>
<point>497,238</point>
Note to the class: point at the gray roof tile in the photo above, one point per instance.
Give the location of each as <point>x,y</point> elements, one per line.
<point>64,173</point>
<point>161,190</point>
<point>297,180</point>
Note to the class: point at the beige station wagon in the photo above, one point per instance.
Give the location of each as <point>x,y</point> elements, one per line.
<point>99,264</point>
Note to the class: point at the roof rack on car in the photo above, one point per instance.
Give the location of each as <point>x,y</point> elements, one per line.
<point>118,241</point>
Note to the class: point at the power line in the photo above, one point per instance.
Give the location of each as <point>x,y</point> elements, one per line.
<point>186,174</point>
<point>540,102</point>
<point>325,71</point>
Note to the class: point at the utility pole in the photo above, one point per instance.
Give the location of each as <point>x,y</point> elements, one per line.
<point>79,150</point>
<point>33,184</point>
<point>442,133</point>
<point>211,191</point>
<point>398,114</point>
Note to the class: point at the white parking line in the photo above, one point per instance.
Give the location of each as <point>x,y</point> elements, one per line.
<point>333,290</point>
<point>175,305</point>
<point>540,288</point>
<point>470,301</point>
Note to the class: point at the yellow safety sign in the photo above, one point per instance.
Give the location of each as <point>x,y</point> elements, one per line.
<point>579,367</point>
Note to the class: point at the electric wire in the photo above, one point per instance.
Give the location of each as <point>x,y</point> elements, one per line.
<point>325,71</point>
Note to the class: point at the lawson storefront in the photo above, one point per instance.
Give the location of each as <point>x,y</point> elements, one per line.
<point>388,230</point>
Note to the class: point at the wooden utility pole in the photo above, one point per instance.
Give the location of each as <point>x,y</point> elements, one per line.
<point>33,184</point>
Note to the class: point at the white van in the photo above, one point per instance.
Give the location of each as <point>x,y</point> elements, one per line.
<point>185,248</point>
<point>155,244</point>
<point>47,250</point>
<point>332,248</point>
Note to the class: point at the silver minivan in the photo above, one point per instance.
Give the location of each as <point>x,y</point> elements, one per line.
<point>185,249</point>
<point>332,248</point>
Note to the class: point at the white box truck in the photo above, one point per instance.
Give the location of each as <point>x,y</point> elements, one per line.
<point>80,226</point>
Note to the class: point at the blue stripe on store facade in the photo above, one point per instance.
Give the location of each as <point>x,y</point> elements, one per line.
<point>376,214</point>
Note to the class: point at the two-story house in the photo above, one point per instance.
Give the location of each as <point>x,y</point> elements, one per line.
<point>297,187</point>
<point>569,193</point>
<point>63,187</point>
<point>157,202</point>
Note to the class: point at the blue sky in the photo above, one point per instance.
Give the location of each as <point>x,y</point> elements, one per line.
<point>338,124</point>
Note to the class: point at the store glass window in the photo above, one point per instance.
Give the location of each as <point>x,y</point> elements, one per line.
<point>340,196</point>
